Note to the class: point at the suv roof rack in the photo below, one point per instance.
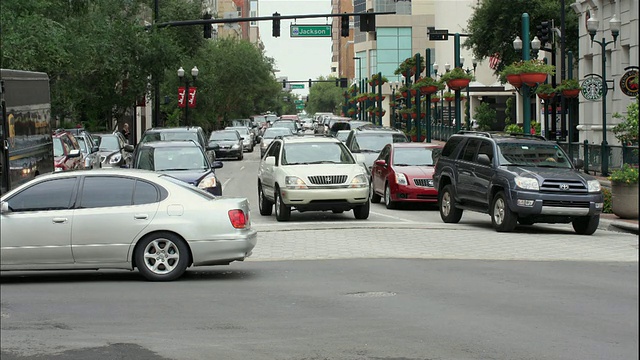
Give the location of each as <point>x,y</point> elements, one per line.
<point>498,134</point>
<point>473,132</point>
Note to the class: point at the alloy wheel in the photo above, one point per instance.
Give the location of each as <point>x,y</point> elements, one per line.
<point>161,256</point>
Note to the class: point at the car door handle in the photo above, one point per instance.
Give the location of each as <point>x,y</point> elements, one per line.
<point>141,216</point>
<point>59,220</point>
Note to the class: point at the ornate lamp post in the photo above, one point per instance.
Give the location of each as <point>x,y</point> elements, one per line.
<point>592,27</point>
<point>394,87</point>
<point>474,63</point>
<point>524,45</point>
<point>361,85</point>
<point>194,74</point>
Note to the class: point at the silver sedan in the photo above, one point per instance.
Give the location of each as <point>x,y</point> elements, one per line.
<point>121,219</point>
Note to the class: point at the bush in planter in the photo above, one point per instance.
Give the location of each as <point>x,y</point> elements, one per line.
<point>626,175</point>
<point>456,73</point>
<point>545,89</point>
<point>624,192</point>
<point>513,129</point>
<point>569,84</point>
<point>627,131</point>
<point>534,66</point>
<point>374,78</point>
<point>448,95</point>
<point>509,70</point>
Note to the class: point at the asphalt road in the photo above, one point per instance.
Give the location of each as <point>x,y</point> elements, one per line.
<point>400,285</point>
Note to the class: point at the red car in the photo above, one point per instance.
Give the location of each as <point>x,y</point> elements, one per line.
<point>404,172</point>
<point>66,152</point>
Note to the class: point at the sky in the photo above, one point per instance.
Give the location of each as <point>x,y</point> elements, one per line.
<point>297,58</point>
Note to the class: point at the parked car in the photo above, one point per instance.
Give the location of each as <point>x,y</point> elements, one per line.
<point>342,135</point>
<point>183,160</point>
<point>193,133</point>
<point>247,137</point>
<point>113,151</point>
<point>515,178</point>
<point>66,152</point>
<point>367,141</point>
<point>153,222</point>
<point>311,174</point>
<point>270,134</point>
<point>403,172</point>
<point>228,143</point>
<point>290,124</point>
<point>89,150</point>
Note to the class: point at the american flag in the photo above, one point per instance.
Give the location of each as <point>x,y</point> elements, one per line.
<point>494,61</point>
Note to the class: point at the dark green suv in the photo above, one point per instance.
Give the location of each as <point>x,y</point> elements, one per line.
<point>515,179</point>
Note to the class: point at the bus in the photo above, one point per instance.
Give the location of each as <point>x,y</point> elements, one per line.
<point>26,145</point>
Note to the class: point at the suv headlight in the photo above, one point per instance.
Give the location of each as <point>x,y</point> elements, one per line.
<point>527,183</point>
<point>115,159</point>
<point>294,182</point>
<point>208,182</point>
<point>594,186</point>
<point>359,181</point>
<point>235,146</point>
<point>401,179</point>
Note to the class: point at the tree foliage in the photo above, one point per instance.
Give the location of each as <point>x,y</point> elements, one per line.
<point>485,117</point>
<point>325,96</point>
<point>494,25</point>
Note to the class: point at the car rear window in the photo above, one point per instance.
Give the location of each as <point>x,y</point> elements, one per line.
<point>316,153</point>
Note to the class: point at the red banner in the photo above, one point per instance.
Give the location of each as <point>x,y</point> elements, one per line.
<point>192,96</point>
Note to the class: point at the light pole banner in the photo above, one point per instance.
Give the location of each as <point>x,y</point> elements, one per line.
<point>181,100</point>
<point>192,97</point>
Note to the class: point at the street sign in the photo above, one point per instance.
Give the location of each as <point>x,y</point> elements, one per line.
<point>299,107</point>
<point>298,101</point>
<point>437,35</point>
<point>297,86</point>
<point>310,30</point>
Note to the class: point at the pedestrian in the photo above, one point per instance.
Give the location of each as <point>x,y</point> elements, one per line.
<point>125,130</point>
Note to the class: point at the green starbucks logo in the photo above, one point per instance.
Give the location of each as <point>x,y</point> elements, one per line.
<point>592,88</point>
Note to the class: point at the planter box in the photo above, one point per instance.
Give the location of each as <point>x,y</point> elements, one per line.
<point>515,80</point>
<point>624,200</point>
<point>533,79</point>
<point>458,84</point>
<point>571,94</point>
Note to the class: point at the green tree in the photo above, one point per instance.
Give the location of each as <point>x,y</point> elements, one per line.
<point>485,117</point>
<point>325,97</point>
<point>494,25</point>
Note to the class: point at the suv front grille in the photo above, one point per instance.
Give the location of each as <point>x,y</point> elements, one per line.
<point>423,182</point>
<point>566,204</point>
<point>328,179</point>
<point>564,186</point>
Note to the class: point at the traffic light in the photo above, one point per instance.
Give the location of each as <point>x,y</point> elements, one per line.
<point>343,83</point>
<point>344,25</point>
<point>367,22</point>
<point>284,84</point>
<point>309,83</point>
<point>276,25</point>
<point>207,27</point>
<point>544,32</point>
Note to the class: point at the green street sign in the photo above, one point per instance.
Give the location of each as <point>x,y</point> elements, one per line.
<point>297,86</point>
<point>310,30</point>
<point>299,107</point>
<point>298,101</point>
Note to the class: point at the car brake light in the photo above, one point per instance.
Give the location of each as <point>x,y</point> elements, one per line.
<point>238,219</point>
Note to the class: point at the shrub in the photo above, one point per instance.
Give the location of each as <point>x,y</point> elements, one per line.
<point>545,89</point>
<point>513,129</point>
<point>569,84</point>
<point>456,73</point>
<point>626,175</point>
<point>606,193</point>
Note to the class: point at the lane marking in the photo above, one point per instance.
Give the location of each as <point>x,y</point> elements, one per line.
<point>224,184</point>
<point>391,216</point>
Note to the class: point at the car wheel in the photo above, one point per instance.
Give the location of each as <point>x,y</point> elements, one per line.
<point>283,212</point>
<point>447,204</point>
<point>362,212</point>
<point>241,156</point>
<point>162,257</point>
<point>586,225</point>
<point>265,206</point>
<point>375,198</point>
<point>251,148</point>
<point>387,198</point>
<point>503,219</point>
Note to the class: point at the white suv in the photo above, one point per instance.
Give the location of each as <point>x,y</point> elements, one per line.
<point>311,173</point>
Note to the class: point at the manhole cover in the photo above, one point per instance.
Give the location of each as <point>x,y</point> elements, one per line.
<point>372,294</point>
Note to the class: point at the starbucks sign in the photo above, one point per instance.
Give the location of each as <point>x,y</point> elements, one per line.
<point>593,87</point>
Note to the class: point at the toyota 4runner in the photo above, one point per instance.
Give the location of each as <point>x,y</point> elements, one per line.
<point>515,179</point>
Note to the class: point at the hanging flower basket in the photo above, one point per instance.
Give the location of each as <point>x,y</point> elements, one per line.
<point>405,116</point>
<point>414,115</point>
<point>414,92</point>
<point>533,79</point>
<point>435,99</point>
<point>428,90</point>
<point>547,96</point>
<point>514,80</point>
<point>458,84</point>
<point>449,99</point>
<point>404,94</point>
<point>571,94</point>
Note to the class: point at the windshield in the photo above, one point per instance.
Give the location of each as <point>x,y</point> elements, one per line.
<point>171,159</point>
<point>57,147</point>
<point>83,145</point>
<point>271,133</point>
<point>108,143</point>
<point>170,136</point>
<point>415,156</point>
<point>375,142</point>
<point>342,135</point>
<point>285,124</point>
<point>224,136</point>
<point>533,154</point>
<point>242,130</point>
<point>316,153</point>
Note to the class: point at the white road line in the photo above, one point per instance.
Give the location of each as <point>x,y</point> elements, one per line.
<point>224,184</point>
<point>242,168</point>
<point>391,216</point>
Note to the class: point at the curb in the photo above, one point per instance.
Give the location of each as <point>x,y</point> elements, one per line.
<point>624,227</point>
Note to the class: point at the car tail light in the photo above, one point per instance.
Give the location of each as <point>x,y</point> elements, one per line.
<point>238,218</point>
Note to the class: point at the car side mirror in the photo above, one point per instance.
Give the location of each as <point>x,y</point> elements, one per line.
<point>128,148</point>
<point>483,159</point>
<point>216,164</point>
<point>380,163</point>
<point>95,148</point>
<point>270,160</point>
<point>242,138</point>
<point>359,158</point>
<point>74,153</point>
<point>4,207</point>
<point>578,163</point>
<point>213,147</point>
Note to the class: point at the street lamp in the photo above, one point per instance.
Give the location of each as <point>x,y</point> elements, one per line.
<point>194,74</point>
<point>592,27</point>
<point>361,85</point>
<point>524,45</point>
<point>394,87</point>
<point>474,63</point>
